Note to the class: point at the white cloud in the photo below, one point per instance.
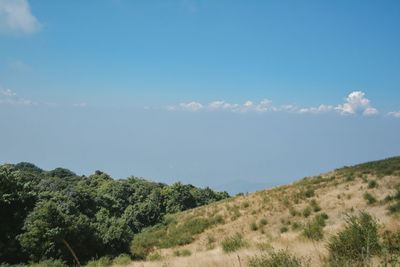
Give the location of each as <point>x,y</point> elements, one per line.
<point>321,109</point>
<point>357,102</point>
<point>80,105</point>
<point>16,17</point>
<point>10,97</point>
<point>192,106</point>
<point>395,114</point>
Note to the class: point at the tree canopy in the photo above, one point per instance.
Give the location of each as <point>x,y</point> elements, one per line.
<point>58,214</point>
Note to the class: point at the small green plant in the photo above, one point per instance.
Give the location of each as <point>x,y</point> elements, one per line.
<point>233,243</point>
<point>182,253</point>
<point>309,193</point>
<point>245,205</point>
<point>281,258</point>
<point>292,211</point>
<point>154,257</point>
<point>263,221</point>
<point>313,230</point>
<point>123,259</point>
<point>369,198</point>
<point>307,212</point>
<point>253,226</point>
<point>43,263</point>
<point>102,262</point>
<point>284,229</point>
<point>395,207</point>
<point>296,225</point>
<point>315,206</point>
<point>372,184</point>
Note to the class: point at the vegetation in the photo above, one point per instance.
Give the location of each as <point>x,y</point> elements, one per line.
<point>357,242</point>
<point>60,215</point>
<point>277,259</point>
<point>233,243</point>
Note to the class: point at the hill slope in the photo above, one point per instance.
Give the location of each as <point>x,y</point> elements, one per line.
<point>300,219</point>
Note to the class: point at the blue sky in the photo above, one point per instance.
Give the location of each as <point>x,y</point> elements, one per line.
<point>235,94</point>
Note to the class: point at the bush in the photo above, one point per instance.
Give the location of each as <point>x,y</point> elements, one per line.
<point>284,229</point>
<point>277,259</point>
<point>307,212</point>
<point>309,193</point>
<point>372,184</point>
<point>245,205</point>
<point>394,208</point>
<point>123,259</point>
<point>102,262</point>
<point>263,221</point>
<point>50,263</point>
<point>369,198</point>
<point>183,253</point>
<point>391,247</point>
<point>315,206</point>
<point>358,241</point>
<point>253,226</point>
<point>292,211</point>
<point>296,225</point>
<point>154,257</point>
<point>233,243</point>
<point>313,230</point>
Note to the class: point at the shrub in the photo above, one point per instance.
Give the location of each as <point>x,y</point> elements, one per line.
<point>210,242</point>
<point>48,263</point>
<point>309,193</point>
<point>315,206</point>
<point>245,205</point>
<point>123,259</point>
<point>277,259</point>
<point>233,243</point>
<point>296,225</point>
<point>357,241</point>
<point>284,229</point>
<point>154,257</point>
<point>395,207</point>
<point>391,247</point>
<point>313,230</point>
<point>372,184</point>
<point>307,212</point>
<point>263,221</point>
<point>183,253</point>
<point>292,211</point>
<point>369,198</point>
<point>102,262</point>
<point>253,226</point>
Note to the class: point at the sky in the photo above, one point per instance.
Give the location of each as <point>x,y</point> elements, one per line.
<point>235,95</point>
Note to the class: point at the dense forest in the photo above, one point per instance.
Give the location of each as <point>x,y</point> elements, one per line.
<point>60,215</point>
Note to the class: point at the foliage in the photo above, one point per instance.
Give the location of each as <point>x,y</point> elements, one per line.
<point>253,226</point>
<point>233,243</point>
<point>369,198</point>
<point>372,184</point>
<point>357,242</point>
<point>169,234</point>
<point>183,253</point>
<point>44,212</point>
<point>277,259</point>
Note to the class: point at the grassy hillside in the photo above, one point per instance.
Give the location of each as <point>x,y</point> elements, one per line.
<point>350,216</point>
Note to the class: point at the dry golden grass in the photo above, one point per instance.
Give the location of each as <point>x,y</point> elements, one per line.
<point>336,197</point>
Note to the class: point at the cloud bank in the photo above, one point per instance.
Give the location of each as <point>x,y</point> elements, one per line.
<point>355,103</point>
<point>10,97</point>
<point>16,17</point>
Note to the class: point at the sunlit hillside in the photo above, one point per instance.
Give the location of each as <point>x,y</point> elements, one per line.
<point>302,224</point>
